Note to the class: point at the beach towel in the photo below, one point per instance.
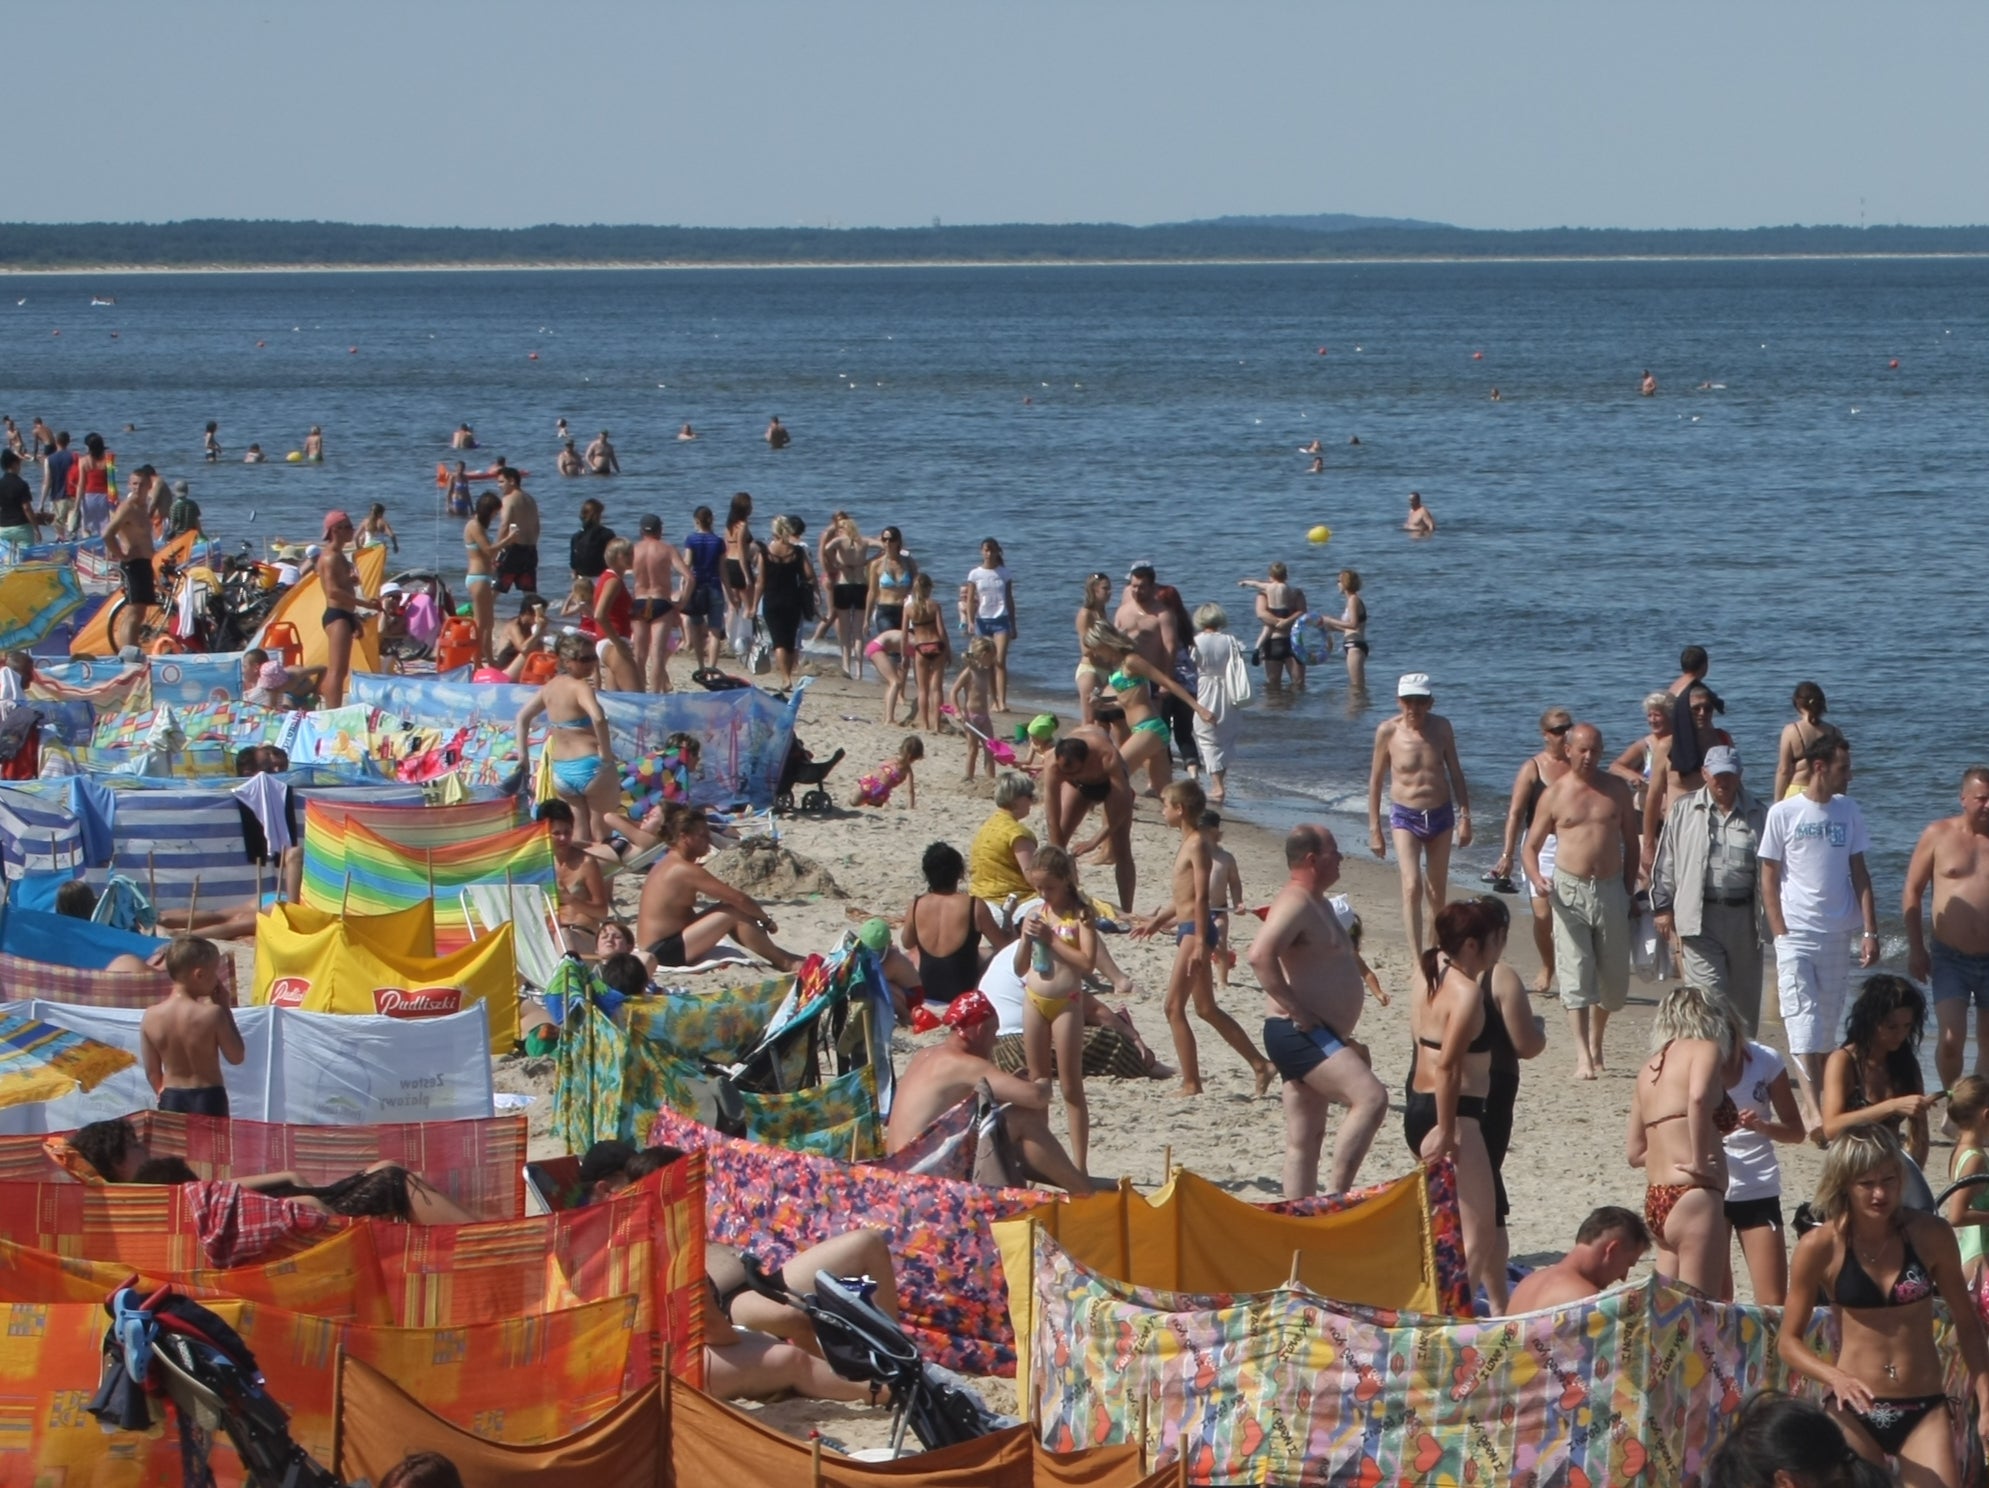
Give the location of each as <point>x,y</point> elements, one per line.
<point>950,1287</point>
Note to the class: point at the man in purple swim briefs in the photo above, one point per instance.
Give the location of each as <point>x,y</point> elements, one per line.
<point>1416,754</point>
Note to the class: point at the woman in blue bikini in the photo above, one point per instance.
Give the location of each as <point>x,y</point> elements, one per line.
<point>583,759</point>
<point>1135,680</point>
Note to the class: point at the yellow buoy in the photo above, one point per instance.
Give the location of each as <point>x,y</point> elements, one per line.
<point>1321,533</point>
<point>295,457</point>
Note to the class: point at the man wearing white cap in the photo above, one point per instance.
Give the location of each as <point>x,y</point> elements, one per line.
<point>1706,886</point>
<point>1817,891</point>
<point>1416,754</point>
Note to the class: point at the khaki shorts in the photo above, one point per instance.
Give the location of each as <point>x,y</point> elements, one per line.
<point>1591,941</point>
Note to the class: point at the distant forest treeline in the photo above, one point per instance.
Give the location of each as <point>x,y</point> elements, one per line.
<point>223,242</point>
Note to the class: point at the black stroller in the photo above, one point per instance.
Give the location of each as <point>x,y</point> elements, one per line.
<point>165,1346</point>
<point>802,768</point>
<point>861,1343</point>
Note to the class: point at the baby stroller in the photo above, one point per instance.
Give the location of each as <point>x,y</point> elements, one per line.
<point>861,1343</point>
<point>166,1346</point>
<point>802,768</point>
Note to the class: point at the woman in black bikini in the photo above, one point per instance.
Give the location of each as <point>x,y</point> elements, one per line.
<point>739,549</point>
<point>1679,1112</point>
<point>1450,1076</point>
<point>925,634</point>
<point>890,580</point>
<point>944,914</point>
<point>1880,1266</point>
<point>1799,738</point>
<point>1873,1078</point>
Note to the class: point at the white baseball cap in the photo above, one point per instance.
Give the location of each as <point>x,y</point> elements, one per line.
<point>1413,684</point>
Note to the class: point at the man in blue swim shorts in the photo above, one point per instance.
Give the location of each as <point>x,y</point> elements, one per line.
<point>1952,858</point>
<point>1313,997</point>
<point>1415,754</point>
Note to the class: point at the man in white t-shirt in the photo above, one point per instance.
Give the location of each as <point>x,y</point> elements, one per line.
<point>1768,1115</point>
<point>1817,893</point>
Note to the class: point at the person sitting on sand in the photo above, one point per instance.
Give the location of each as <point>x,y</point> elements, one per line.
<point>1608,1246</point>
<point>583,894</point>
<point>941,1075</point>
<point>674,927</point>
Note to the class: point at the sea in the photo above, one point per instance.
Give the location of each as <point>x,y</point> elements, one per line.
<point>1796,498</point>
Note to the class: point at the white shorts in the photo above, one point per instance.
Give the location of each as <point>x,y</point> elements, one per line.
<point>1813,977</point>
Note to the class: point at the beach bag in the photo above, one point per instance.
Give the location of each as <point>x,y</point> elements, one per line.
<point>543,788</point>
<point>739,632</point>
<point>759,654</point>
<point>1236,675</point>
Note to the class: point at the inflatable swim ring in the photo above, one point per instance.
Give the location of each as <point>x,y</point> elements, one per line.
<point>1310,640</point>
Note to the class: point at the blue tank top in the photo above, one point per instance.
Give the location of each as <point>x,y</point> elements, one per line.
<point>707,550</point>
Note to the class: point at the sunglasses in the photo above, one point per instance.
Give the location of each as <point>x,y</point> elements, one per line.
<point>1557,729</point>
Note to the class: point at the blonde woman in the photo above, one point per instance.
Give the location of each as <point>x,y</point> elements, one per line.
<point>1138,684</point>
<point>1091,708</point>
<point>614,618</point>
<point>845,560</point>
<point>480,569</point>
<point>1679,1113</point>
<point>583,757</point>
<point>1879,1266</point>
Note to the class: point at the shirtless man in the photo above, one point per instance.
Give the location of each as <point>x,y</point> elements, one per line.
<point>583,899</point>
<point>1648,387</point>
<point>150,491</point>
<point>1419,521</point>
<point>1607,1248</point>
<point>1952,856</point>
<point>653,612</point>
<point>942,1075</point>
<point>1085,771</point>
<point>1190,914</point>
<point>1313,995</point>
<point>1667,781</point>
<point>776,436</point>
<point>187,1033</point>
<point>600,457</point>
<point>1427,796</point>
<point>517,565</point>
<point>128,542</point>
<point>463,439</point>
<point>673,928</point>
<point>1151,625</point>
<point>1590,815</point>
<point>569,462</point>
<point>341,619</point>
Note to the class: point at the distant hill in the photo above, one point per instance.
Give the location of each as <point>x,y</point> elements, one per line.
<point>222,243</point>
<point>1319,222</point>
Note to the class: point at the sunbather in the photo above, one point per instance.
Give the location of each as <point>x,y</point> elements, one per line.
<point>685,910</point>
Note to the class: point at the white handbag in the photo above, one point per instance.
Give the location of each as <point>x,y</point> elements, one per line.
<point>1236,674</point>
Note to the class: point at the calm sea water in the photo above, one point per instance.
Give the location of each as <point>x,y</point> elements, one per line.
<point>1810,517</point>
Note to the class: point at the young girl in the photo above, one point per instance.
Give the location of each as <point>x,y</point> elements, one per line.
<point>377,532</point>
<point>212,443</point>
<point>1767,1114</point>
<point>875,788</point>
<point>1225,894</point>
<point>1058,948</point>
<point>579,599</point>
<point>931,650</point>
<point>1968,1211</point>
<point>886,651</point>
<point>975,680</point>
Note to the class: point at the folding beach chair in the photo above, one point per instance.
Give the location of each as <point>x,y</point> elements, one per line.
<point>536,932</point>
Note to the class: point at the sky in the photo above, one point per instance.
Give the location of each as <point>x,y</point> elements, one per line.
<point>883,113</point>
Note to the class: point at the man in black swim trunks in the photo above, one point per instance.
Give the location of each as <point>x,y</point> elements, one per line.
<point>128,542</point>
<point>685,910</point>
<point>518,564</point>
<point>1085,771</point>
<point>653,576</point>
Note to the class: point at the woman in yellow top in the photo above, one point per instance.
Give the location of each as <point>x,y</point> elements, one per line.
<point>1004,849</point>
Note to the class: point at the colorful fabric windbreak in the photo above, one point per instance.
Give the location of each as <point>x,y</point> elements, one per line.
<point>320,961</point>
<point>41,1062</point>
<point>1453,1277</point>
<point>22,979</point>
<point>479,1164</point>
<point>1190,1236</point>
<point>723,1026</point>
<point>1634,1387</point>
<point>950,1287</point>
<point>945,1149</point>
<point>351,868</point>
<point>152,1228</point>
<point>837,1118</point>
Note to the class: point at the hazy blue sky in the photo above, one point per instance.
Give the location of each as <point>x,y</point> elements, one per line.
<point>499,113</point>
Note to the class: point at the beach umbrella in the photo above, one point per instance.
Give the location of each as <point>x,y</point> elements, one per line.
<point>34,599</point>
<point>40,1062</point>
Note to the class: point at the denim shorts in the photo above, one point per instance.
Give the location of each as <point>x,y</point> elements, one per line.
<point>1000,625</point>
<point>1958,974</point>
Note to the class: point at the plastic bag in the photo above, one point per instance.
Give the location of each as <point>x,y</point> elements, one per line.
<point>759,654</point>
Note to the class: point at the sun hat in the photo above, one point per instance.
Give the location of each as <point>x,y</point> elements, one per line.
<point>1413,685</point>
<point>272,676</point>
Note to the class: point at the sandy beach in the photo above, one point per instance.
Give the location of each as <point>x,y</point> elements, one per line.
<point>1568,1143</point>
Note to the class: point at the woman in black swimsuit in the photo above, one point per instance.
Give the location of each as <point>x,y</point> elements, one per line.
<point>1873,1078</point>
<point>1516,1032</point>
<point>1450,1076</point>
<point>739,549</point>
<point>942,914</point>
<point>1880,1266</point>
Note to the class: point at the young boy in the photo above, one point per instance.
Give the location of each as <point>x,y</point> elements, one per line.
<point>185,1036</point>
<point>583,893</point>
<point>1225,894</point>
<point>1183,803</point>
<point>975,678</point>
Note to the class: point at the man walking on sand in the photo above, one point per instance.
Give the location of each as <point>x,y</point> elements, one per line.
<point>1952,857</point>
<point>1816,890</point>
<point>1706,886</point>
<point>1313,995</point>
<point>1416,753</point>
<point>1593,820</point>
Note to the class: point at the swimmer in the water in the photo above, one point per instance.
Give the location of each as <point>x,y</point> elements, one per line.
<point>464,438</point>
<point>1420,521</point>
<point>254,455</point>
<point>1354,439</point>
<point>687,432</point>
<point>1649,385</point>
<point>569,460</point>
<point>1314,448</point>
<point>1495,395</point>
<point>559,431</point>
